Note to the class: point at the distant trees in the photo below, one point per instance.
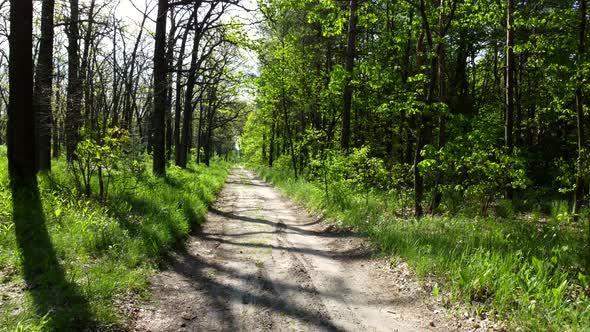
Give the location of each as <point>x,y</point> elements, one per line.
<point>460,101</point>
<point>102,78</point>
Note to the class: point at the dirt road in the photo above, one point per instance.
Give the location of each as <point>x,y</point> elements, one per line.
<point>263,264</point>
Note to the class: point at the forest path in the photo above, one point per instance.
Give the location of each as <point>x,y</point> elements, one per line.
<point>261,263</point>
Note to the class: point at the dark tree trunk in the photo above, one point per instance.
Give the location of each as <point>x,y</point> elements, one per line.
<point>349,66</point>
<point>43,87</point>
<point>423,136</point>
<point>21,143</point>
<point>200,130</point>
<point>73,113</point>
<point>509,121</point>
<point>580,121</point>
<point>170,64</point>
<point>58,125</point>
<point>160,89</point>
<point>178,102</point>
<point>187,119</point>
<point>85,68</point>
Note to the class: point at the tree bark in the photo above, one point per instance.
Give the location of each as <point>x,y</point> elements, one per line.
<point>349,67</point>
<point>160,89</point>
<point>178,102</point>
<point>43,87</point>
<point>509,121</point>
<point>21,143</point>
<point>187,119</point>
<point>580,121</point>
<point>170,63</point>
<point>73,113</point>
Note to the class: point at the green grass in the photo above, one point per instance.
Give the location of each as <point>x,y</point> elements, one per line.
<point>105,251</point>
<point>527,272</point>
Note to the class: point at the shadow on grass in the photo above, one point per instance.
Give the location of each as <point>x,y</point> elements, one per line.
<point>53,296</point>
<point>155,212</point>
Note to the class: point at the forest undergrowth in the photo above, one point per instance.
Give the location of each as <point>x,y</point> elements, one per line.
<point>524,270</point>
<point>105,248</point>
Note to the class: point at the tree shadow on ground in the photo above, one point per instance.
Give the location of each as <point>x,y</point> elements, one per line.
<point>295,229</point>
<point>54,297</point>
<point>262,295</point>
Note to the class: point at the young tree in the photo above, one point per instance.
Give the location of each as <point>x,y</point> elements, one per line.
<point>349,66</point>
<point>509,116</point>
<point>580,121</point>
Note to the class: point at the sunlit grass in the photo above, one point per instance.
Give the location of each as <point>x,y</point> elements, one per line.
<point>528,273</point>
<point>108,250</point>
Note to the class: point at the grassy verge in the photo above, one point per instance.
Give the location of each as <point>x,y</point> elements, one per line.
<point>527,272</point>
<point>105,251</point>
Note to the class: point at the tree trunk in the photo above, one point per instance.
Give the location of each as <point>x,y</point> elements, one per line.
<point>73,113</point>
<point>43,87</point>
<point>349,66</point>
<point>21,116</point>
<point>160,89</point>
<point>580,121</point>
<point>178,102</point>
<point>170,64</point>
<point>129,90</point>
<point>509,121</point>
<point>187,119</point>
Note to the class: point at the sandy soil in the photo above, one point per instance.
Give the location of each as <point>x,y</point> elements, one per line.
<point>261,263</point>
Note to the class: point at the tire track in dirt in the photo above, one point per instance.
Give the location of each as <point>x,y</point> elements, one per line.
<point>260,263</point>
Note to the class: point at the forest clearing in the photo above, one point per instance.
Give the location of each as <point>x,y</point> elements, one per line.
<point>294,165</point>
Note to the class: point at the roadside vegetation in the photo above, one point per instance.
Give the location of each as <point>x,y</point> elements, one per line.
<point>454,134</point>
<point>106,248</point>
<point>526,270</point>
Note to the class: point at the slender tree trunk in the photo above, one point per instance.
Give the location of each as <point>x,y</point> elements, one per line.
<point>73,113</point>
<point>580,121</point>
<point>188,98</point>
<point>200,130</point>
<point>349,66</point>
<point>442,98</point>
<point>21,115</point>
<point>170,61</point>
<point>160,85</point>
<point>271,146</point>
<point>43,87</point>
<point>178,102</point>
<point>129,99</point>
<point>116,90</point>
<point>509,121</point>
<point>424,130</point>
<point>85,67</point>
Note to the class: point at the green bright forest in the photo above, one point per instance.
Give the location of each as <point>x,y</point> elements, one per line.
<point>452,134</point>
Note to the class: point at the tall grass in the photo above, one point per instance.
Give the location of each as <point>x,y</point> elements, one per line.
<point>107,250</point>
<point>526,272</point>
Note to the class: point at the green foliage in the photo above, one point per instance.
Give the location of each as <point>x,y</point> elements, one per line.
<point>107,249</point>
<point>94,156</point>
<point>438,97</point>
